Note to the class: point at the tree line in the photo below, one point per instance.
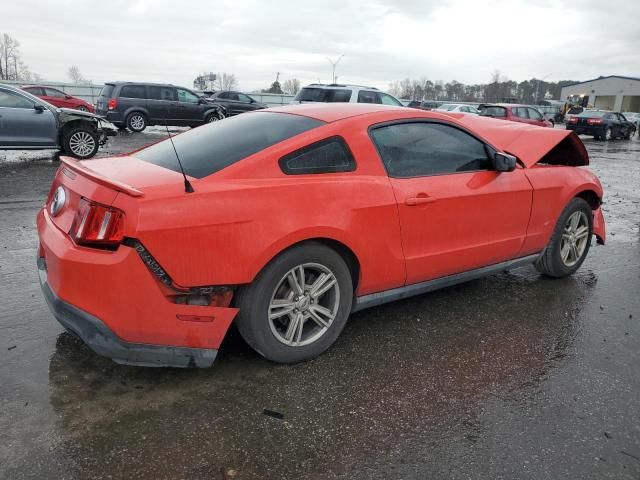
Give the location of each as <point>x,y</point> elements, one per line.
<point>498,89</point>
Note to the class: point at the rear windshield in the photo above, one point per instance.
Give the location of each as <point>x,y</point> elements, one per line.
<point>107,90</point>
<point>592,114</point>
<point>214,146</point>
<point>494,112</point>
<point>323,95</point>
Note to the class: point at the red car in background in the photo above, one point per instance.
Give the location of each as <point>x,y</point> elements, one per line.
<point>58,98</point>
<point>515,113</point>
<point>286,220</point>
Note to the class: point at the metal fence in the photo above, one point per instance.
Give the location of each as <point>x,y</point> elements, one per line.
<point>91,92</point>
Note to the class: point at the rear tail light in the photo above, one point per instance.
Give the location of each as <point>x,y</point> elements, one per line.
<point>97,225</point>
<point>594,121</point>
<point>573,120</point>
<point>112,104</point>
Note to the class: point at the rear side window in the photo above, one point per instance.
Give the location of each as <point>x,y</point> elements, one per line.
<point>424,149</point>
<point>520,112</point>
<point>35,91</point>
<point>133,91</point>
<point>365,96</point>
<point>162,93</point>
<point>494,112</point>
<point>212,147</point>
<point>323,95</point>
<point>50,92</point>
<point>331,155</point>
<point>107,90</point>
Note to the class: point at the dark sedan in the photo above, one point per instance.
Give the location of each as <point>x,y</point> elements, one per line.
<point>235,102</point>
<point>427,105</point>
<point>601,125</point>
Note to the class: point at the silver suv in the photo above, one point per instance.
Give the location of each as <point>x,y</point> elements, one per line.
<point>319,92</point>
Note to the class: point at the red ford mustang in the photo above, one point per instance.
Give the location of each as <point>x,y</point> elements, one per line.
<point>289,219</point>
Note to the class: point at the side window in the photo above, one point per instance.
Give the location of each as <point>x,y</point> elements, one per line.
<point>233,96</point>
<point>186,96</point>
<point>365,96</point>
<point>244,98</point>
<point>423,149</point>
<point>622,117</point>
<point>520,112</point>
<point>13,100</point>
<point>35,91</point>
<point>339,96</point>
<point>389,100</point>
<point>162,93</point>
<point>224,95</point>
<point>331,155</point>
<point>534,114</point>
<point>50,92</point>
<point>133,91</point>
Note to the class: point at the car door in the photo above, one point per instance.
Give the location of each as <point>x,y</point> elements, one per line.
<point>625,126</point>
<point>455,212</point>
<point>535,117</point>
<point>24,123</point>
<point>56,97</point>
<point>190,110</point>
<point>245,103</point>
<point>162,104</point>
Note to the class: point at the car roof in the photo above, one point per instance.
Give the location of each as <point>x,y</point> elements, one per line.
<point>332,112</point>
<point>339,86</point>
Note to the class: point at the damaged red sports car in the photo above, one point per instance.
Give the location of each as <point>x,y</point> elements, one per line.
<point>289,219</point>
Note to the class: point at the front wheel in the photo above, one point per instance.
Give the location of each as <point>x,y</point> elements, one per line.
<point>297,306</point>
<point>213,117</point>
<point>608,134</point>
<point>80,142</point>
<point>82,108</point>
<point>570,241</point>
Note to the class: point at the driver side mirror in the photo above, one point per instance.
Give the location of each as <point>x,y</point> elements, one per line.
<point>38,108</point>
<point>503,162</point>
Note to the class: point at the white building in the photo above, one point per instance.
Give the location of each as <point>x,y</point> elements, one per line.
<point>620,94</point>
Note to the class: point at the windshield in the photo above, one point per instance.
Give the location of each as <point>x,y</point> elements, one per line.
<point>107,90</point>
<point>212,147</point>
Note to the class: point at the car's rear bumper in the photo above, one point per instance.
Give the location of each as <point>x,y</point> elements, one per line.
<point>113,302</point>
<point>93,331</point>
<point>596,131</point>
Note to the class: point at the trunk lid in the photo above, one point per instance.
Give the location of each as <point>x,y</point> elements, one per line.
<point>102,180</point>
<point>530,143</point>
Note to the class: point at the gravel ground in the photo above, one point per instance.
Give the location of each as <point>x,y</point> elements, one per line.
<point>511,376</point>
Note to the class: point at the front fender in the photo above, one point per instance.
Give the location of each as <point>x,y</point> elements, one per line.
<point>599,228</point>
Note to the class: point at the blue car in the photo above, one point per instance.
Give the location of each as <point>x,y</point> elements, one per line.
<point>601,125</point>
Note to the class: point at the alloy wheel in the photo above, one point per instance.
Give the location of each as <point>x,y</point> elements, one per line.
<point>82,108</point>
<point>575,237</point>
<point>304,304</point>
<point>82,144</point>
<point>137,122</point>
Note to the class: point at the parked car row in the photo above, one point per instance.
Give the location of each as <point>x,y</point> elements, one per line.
<point>515,113</point>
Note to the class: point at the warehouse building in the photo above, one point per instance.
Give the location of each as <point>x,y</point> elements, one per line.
<point>620,94</point>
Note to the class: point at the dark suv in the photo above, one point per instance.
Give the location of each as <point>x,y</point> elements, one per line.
<point>138,105</point>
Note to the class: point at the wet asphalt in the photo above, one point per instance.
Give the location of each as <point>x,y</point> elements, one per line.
<point>514,376</point>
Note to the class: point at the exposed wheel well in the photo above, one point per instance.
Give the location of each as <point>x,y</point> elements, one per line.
<point>74,124</point>
<point>345,252</point>
<point>591,198</point>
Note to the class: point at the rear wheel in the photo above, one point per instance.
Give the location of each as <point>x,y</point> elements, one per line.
<point>136,122</point>
<point>608,134</point>
<point>80,142</point>
<point>570,241</point>
<point>297,306</point>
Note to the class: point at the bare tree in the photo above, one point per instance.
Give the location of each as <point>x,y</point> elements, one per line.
<point>76,77</point>
<point>291,86</point>
<point>10,61</point>
<point>226,81</point>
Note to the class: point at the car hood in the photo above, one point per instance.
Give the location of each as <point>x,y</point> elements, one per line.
<point>530,143</point>
<point>79,113</point>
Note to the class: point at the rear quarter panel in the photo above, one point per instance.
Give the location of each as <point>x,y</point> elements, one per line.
<point>243,216</point>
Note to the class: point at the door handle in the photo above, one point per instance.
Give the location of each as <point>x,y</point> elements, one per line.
<point>420,199</point>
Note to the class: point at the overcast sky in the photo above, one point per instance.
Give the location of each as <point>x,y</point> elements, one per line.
<point>382,40</point>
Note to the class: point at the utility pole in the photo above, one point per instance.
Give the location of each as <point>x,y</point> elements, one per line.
<point>333,66</point>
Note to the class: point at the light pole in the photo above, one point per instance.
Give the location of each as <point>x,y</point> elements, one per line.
<point>538,84</point>
<point>333,67</point>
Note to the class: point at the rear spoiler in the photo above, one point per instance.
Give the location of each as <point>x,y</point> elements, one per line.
<point>81,169</point>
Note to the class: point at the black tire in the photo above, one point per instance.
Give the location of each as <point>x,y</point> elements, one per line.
<point>550,262</point>
<point>254,301</point>
<point>136,121</point>
<point>213,117</point>
<point>80,142</point>
<point>628,135</point>
<point>608,134</point>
